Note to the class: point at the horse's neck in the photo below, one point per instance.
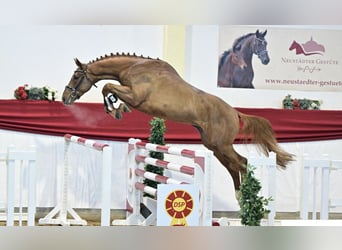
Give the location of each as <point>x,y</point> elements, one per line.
<point>111,67</point>
<point>248,52</point>
<point>248,57</point>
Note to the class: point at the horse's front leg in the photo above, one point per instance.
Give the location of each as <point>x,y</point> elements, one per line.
<point>114,99</point>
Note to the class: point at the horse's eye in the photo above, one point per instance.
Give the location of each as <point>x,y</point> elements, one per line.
<point>237,47</point>
<point>76,75</point>
<point>263,43</point>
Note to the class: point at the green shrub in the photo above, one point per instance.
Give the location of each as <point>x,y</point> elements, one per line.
<point>158,129</point>
<point>253,207</point>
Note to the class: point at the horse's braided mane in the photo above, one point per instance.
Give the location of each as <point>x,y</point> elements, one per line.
<point>120,55</point>
<point>238,40</point>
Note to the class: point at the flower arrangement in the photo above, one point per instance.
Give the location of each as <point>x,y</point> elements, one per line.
<point>27,92</point>
<point>290,103</point>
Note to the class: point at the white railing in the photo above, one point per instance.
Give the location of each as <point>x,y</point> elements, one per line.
<point>318,189</point>
<point>21,182</point>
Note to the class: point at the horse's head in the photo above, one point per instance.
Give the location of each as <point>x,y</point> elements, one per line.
<point>294,45</point>
<point>260,47</point>
<point>237,59</point>
<point>79,84</point>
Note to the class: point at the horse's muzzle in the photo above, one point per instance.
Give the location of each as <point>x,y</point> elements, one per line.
<point>68,100</point>
<point>264,58</point>
<point>265,61</point>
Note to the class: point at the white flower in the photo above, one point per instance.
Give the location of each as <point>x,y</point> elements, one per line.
<point>27,86</point>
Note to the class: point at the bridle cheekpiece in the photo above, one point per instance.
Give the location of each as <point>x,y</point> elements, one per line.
<point>74,90</point>
<point>255,47</point>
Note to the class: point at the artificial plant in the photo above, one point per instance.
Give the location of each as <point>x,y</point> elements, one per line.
<point>158,129</point>
<point>253,207</point>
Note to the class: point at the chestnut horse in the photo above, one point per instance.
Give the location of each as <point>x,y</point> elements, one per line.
<point>155,88</point>
<point>235,66</point>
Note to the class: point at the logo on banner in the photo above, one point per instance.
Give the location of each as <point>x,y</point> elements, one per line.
<point>310,65</point>
<point>309,48</point>
<point>179,205</point>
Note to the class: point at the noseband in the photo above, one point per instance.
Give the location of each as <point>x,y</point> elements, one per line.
<point>74,91</point>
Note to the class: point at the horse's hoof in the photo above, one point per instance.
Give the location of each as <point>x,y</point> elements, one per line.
<point>126,108</point>
<point>118,115</point>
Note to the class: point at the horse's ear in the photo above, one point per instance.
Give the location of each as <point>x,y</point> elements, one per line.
<point>257,33</point>
<point>78,63</point>
<point>264,34</point>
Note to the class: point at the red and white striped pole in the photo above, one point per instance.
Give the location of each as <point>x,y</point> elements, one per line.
<point>63,208</point>
<point>198,174</point>
<point>106,172</point>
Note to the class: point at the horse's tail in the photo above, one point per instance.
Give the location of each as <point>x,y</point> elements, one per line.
<point>259,131</point>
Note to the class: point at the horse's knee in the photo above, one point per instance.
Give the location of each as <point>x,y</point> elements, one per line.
<point>107,88</point>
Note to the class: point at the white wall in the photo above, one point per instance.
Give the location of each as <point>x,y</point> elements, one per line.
<point>41,55</point>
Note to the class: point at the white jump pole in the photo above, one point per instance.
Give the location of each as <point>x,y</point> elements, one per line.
<point>63,208</point>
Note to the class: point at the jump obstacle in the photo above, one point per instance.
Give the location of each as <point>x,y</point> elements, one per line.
<point>21,164</point>
<point>59,214</point>
<point>199,174</point>
<point>266,171</point>
<point>20,161</point>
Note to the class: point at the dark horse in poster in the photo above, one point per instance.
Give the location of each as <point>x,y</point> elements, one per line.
<point>235,65</point>
<point>154,87</point>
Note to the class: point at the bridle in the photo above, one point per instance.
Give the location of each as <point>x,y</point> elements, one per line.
<point>74,91</point>
<point>259,53</point>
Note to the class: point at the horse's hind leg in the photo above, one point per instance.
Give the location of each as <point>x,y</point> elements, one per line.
<point>233,162</point>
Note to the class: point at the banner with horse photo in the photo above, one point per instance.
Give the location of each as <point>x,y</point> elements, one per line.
<point>280,58</point>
